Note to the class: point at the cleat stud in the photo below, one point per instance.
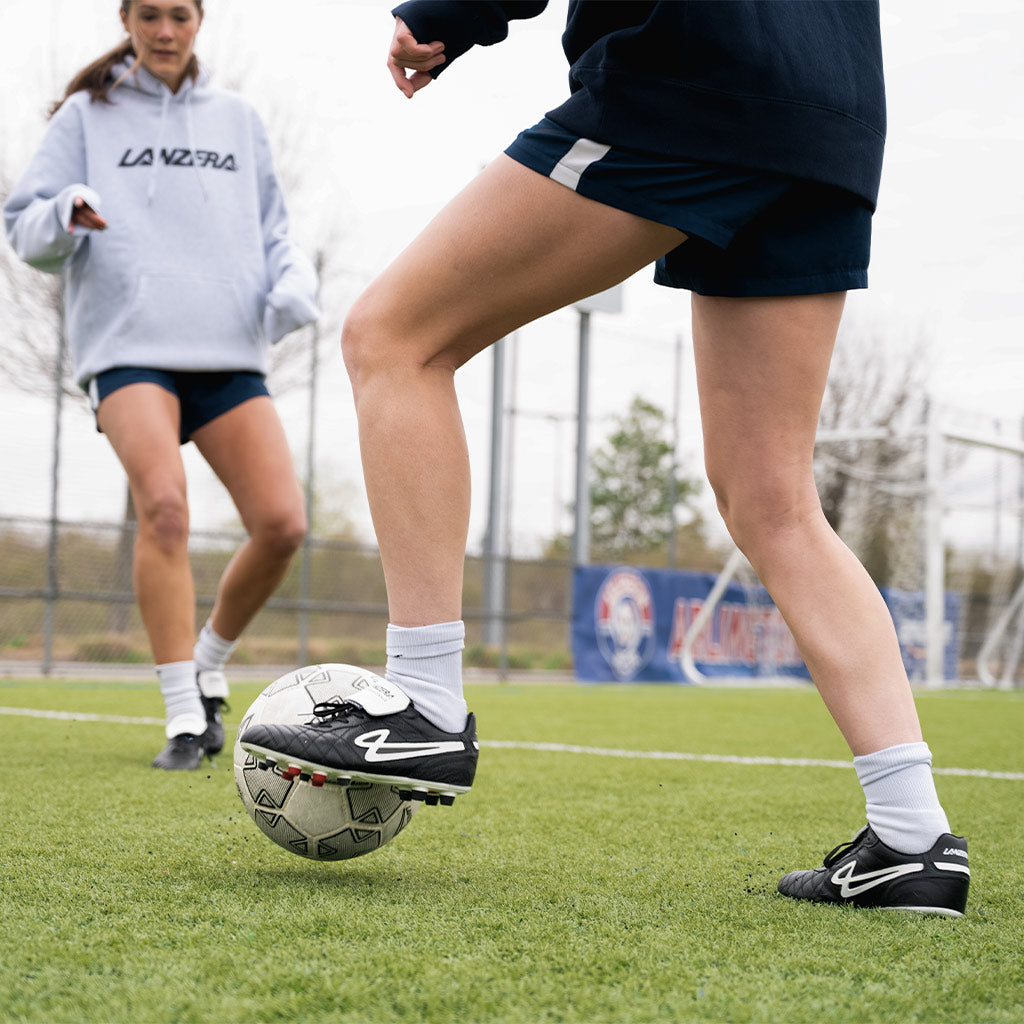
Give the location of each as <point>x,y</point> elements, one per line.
<point>291,771</point>
<point>431,799</point>
<point>417,794</point>
<point>317,779</point>
<point>405,794</point>
<point>447,799</point>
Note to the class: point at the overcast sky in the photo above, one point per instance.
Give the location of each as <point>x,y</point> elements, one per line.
<point>948,258</point>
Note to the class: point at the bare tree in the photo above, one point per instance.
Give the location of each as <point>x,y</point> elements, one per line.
<point>31,302</point>
<point>31,314</point>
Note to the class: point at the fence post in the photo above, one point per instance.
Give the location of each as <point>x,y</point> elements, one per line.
<point>52,579</point>
<point>934,556</point>
<point>581,528</point>
<point>494,562</point>
<point>306,567</point>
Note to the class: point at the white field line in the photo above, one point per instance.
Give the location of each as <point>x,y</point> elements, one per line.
<point>80,716</point>
<point>671,755</point>
<point>561,748</point>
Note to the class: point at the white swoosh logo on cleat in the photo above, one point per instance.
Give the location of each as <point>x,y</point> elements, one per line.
<point>851,884</point>
<point>378,749</point>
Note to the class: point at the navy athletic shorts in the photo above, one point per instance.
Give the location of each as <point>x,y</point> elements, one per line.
<point>202,396</point>
<point>749,233</point>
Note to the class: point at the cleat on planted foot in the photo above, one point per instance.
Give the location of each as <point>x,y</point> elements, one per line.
<point>866,873</point>
<point>372,735</point>
<point>183,753</point>
<point>213,691</point>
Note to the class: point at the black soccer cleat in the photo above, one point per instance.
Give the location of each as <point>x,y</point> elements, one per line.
<point>213,738</point>
<point>372,735</point>
<point>213,689</point>
<point>183,753</point>
<point>866,873</point>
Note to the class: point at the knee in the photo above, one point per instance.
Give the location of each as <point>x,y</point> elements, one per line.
<point>163,521</point>
<point>384,340</point>
<point>281,536</point>
<point>763,510</point>
<point>364,340</point>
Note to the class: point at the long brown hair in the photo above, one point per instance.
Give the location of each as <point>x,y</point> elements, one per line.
<point>94,78</point>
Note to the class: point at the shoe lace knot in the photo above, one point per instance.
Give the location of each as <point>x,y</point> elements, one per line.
<point>334,710</point>
<point>841,850</point>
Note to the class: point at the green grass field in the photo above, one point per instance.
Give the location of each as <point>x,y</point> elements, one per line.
<point>568,886</point>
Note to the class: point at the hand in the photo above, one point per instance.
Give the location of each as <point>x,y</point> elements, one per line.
<point>85,217</point>
<point>406,53</point>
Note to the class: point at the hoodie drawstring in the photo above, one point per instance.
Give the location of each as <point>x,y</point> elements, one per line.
<point>190,129</point>
<point>153,171</point>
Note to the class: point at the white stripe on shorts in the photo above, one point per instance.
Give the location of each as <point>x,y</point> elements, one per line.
<point>584,152</point>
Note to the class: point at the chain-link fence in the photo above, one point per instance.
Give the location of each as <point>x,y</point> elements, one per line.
<point>925,516</point>
<point>67,597</point>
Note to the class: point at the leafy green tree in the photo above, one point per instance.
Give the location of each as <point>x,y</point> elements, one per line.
<point>633,504</point>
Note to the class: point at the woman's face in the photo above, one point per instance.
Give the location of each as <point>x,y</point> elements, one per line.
<point>163,33</point>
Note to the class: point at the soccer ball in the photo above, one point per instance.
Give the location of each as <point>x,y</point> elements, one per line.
<point>325,821</point>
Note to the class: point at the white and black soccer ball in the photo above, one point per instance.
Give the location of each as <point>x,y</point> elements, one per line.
<point>325,822</point>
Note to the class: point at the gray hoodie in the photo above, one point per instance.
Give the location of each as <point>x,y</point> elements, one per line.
<point>195,270</point>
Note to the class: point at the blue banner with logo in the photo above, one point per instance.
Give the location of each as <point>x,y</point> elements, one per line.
<point>629,625</point>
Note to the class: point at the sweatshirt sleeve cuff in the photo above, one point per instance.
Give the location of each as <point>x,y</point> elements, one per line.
<point>292,302</point>
<point>460,25</point>
<point>65,204</point>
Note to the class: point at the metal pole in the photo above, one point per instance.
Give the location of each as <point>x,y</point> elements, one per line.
<point>934,555</point>
<point>506,515</point>
<point>306,570</point>
<point>673,491</point>
<point>581,532</point>
<point>494,567</point>
<point>1020,507</point>
<point>997,539</point>
<point>52,580</point>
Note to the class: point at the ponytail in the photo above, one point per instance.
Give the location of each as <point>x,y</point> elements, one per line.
<point>95,77</point>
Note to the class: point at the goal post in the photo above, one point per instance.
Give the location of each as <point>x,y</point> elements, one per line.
<point>952,473</point>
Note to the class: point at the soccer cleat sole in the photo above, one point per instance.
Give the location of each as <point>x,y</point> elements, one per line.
<point>908,909</point>
<point>431,793</point>
<point>935,911</point>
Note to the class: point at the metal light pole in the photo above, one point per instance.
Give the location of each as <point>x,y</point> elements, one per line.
<point>673,495</point>
<point>494,562</point>
<point>306,570</point>
<point>609,301</point>
<point>52,578</point>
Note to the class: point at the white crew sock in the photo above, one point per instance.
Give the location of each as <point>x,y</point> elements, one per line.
<point>212,650</point>
<point>426,662</point>
<point>181,698</point>
<point>902,805</point>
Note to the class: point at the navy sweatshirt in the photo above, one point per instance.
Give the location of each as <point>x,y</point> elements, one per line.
<point>788,86</point>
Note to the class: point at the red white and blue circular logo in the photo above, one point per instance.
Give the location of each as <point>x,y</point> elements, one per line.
<point>624,622</point>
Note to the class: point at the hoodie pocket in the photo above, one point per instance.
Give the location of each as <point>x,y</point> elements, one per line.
<point>182,310</point>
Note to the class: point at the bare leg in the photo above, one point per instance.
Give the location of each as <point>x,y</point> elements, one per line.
<point>761,369</point>
<point>247,449</point>
<point>141,423</point>
<point>511,247</point>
